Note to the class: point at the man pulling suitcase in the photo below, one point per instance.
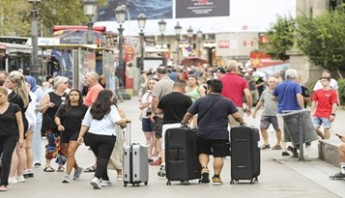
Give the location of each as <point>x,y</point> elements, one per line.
<point>213,135</point>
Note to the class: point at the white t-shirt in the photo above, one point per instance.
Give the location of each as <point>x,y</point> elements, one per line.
<point>333,83</point>
<point>106,126</point>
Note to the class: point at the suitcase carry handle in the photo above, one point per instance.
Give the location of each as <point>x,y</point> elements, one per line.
<point>128,133</point>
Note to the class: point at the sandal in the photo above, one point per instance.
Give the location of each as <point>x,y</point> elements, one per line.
<point>48,169</point>
<point>265,146</point>
<point>61,169</point>
<point>90,169</point>
<point>276,147</point>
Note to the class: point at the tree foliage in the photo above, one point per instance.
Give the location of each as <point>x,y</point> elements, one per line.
<point>322,39</point>
<point>280,38</point>
<point>15,15</point>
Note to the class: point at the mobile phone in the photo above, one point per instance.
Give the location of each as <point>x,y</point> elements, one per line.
<point>339,136</point>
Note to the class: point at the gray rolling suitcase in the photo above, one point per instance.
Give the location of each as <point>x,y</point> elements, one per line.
<point>135,162</point>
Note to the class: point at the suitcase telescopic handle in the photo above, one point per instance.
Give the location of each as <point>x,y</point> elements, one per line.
<point>128,133</point>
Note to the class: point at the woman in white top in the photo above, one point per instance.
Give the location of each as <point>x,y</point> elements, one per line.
<point>100,124</point>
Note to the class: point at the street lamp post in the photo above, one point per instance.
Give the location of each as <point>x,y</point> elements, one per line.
<point>141,23</point>
<point>178,29</point>
<point>162,25</point>
<point>35,67</point>
<point>120,14</point>
<point>199,37</point>
<point>190,34</point>
<point>90,8</point>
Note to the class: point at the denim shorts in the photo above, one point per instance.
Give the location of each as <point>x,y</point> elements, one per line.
<point>147,125</point>
<point>317,121</point>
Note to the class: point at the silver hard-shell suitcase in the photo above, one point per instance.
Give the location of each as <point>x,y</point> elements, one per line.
<point>135,162</point>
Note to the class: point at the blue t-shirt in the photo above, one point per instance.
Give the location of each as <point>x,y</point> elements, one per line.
<point>286,93</point>
<point>214,123</point>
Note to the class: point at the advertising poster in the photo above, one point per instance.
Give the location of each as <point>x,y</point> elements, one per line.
<point>202,8</point>
<point>153,9</point>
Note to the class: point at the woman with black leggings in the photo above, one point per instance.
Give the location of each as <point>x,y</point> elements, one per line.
<point>11,132</point>
<point>100,124</point>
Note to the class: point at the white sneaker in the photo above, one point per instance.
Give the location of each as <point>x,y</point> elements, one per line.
<point>106,183</point>
<point>12,180</point>
<point>20,179</point>
<point>96,183</point>
<point>66,179</point>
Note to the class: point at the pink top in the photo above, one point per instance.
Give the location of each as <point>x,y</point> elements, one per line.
<point>92,94</point>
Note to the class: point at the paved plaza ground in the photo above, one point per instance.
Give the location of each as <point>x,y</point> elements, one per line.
<point>280,176</point>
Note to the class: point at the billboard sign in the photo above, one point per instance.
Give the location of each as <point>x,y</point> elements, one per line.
<point>209,16</point>
<point>202,8</point>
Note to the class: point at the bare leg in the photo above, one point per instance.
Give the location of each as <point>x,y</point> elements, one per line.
<point>148,136</point>
<point>279,136</point>
<point>14,163</point>
<point>264,136</point>
<point>218,165</point>
<point>72,147</point>
<point>319,133</point>
<point>204,159</point>
<point>21,152</point>
<point>29,152</point>
<point>327,133</point>
<point>342,153</point>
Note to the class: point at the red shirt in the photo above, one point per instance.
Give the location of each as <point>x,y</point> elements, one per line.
<point>92,94</point>
<point>325,100</point>
<point>233,86</point>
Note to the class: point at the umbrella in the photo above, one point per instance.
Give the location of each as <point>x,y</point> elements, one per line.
<point>193,61</point>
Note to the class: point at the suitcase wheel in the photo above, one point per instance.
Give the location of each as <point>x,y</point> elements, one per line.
<point>168,183</point>
<point>184,182</point>
<point>146,183</point>
<point>125,184</point>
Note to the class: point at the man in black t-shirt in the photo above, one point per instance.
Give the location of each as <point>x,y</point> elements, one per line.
<point>173,105</point>
<point>213,135</point>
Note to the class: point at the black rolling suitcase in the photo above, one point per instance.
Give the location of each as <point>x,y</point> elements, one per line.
<point>245,154</point>
<point>181,155</point>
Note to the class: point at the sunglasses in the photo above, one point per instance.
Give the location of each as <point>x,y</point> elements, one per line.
<point>64,82</point>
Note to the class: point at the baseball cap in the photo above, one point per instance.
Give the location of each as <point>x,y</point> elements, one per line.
<point>221,70</point>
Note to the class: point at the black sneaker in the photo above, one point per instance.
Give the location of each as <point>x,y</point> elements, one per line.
<point>285,153</point>
<point>205,176</point>
<point>338,176</point>
<point>293,150</point>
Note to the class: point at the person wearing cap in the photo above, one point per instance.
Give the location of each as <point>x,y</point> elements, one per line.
<point>220,72</point>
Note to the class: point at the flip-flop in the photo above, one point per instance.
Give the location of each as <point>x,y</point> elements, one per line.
<point>90,169</point>
<point>48,169</point>
<point>60,169</point>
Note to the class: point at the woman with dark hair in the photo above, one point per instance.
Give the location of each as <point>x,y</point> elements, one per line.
<point>11,132</point>
<point>100,122</point>
<point>68,118</point>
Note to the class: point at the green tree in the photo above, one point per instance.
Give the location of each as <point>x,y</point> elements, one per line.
<point>280,38</point>
<point>14,17</point>
<point>322,39</point>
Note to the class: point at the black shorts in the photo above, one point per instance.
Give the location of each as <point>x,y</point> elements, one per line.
<point>68,136</point>
<point>219,148</point>
<point>158,127</point>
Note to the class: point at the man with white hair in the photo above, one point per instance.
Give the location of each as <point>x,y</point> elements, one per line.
<point>289,97</point>
<point>234,87</point>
